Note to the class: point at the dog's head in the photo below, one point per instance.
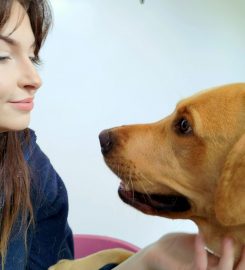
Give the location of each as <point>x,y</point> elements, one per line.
<point>189,165</point>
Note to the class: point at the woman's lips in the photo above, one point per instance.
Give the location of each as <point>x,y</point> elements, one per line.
<point>24,104</point>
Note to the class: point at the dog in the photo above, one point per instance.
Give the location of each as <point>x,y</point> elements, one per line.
<point>190,165</point>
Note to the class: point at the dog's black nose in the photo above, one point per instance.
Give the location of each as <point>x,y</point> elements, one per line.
<point>106,142</point>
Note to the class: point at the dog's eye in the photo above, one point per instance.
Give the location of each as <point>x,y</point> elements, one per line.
<point>183,126</point>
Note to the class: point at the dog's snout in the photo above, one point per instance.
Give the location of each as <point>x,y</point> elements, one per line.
<point>106,141</point>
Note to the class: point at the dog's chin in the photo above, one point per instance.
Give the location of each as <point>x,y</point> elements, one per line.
<point>154,204</point>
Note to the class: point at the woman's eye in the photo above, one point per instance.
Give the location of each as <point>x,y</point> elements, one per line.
<point>4,58</point>
<point>183,126</point>
<point>35,60</point>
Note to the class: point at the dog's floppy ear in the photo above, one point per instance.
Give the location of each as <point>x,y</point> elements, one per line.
<point>230,192</point>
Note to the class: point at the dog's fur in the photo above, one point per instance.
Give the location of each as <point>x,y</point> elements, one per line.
<point>190,165</point>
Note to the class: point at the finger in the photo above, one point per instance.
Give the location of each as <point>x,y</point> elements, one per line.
<point>241,264</point>
<point>213,261</point>
<point>201,258</point>
<point>227,258</point>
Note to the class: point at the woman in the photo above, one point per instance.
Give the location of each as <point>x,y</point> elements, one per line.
<point>34,232</point>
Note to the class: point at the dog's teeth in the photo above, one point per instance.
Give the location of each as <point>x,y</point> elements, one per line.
<point>125,186</point>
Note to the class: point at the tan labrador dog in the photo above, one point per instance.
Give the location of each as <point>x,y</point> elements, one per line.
<point>190,165</point>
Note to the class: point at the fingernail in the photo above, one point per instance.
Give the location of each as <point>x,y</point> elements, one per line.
<point>228,241</point>
<point>199,241</point>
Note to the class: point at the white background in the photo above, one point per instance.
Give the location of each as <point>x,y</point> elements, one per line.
<point>114,62</point>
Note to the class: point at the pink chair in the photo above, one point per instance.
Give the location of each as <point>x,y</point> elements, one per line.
<point>86,244</point>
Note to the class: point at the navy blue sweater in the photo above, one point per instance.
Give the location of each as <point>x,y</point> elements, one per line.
<point>51,238</point>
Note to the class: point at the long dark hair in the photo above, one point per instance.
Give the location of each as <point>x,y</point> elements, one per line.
<point>15,182</point>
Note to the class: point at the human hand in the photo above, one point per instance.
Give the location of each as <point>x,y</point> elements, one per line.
<point>183,252</point>
<point>204,260</point>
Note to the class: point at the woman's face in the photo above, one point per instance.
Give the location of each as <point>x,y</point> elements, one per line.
<point>19,79</point>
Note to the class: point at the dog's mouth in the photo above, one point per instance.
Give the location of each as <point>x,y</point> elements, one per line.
<point>154,204</point>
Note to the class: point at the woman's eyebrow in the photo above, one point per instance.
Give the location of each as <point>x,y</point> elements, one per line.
<point>9,40</point>
<point>13,42</point>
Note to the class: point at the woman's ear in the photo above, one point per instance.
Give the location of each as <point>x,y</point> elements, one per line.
<point>230,192</point>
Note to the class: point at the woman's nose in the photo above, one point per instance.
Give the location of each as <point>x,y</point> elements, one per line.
<point>29,77</point>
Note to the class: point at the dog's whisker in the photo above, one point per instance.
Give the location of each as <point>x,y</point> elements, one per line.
<point>131,183</point>
<point>118,169</point>
<point>146,179</point>
<point>145,191</point>
<point>130,179</point>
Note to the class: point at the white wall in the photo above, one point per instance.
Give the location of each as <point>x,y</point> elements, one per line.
<point>114,62</point>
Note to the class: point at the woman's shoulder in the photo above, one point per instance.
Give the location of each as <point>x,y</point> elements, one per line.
<point>46,182</point>
<point>40,167</point>
<point>36,159</point>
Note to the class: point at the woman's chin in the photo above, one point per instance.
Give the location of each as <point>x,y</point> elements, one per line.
<point>16,125</point>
